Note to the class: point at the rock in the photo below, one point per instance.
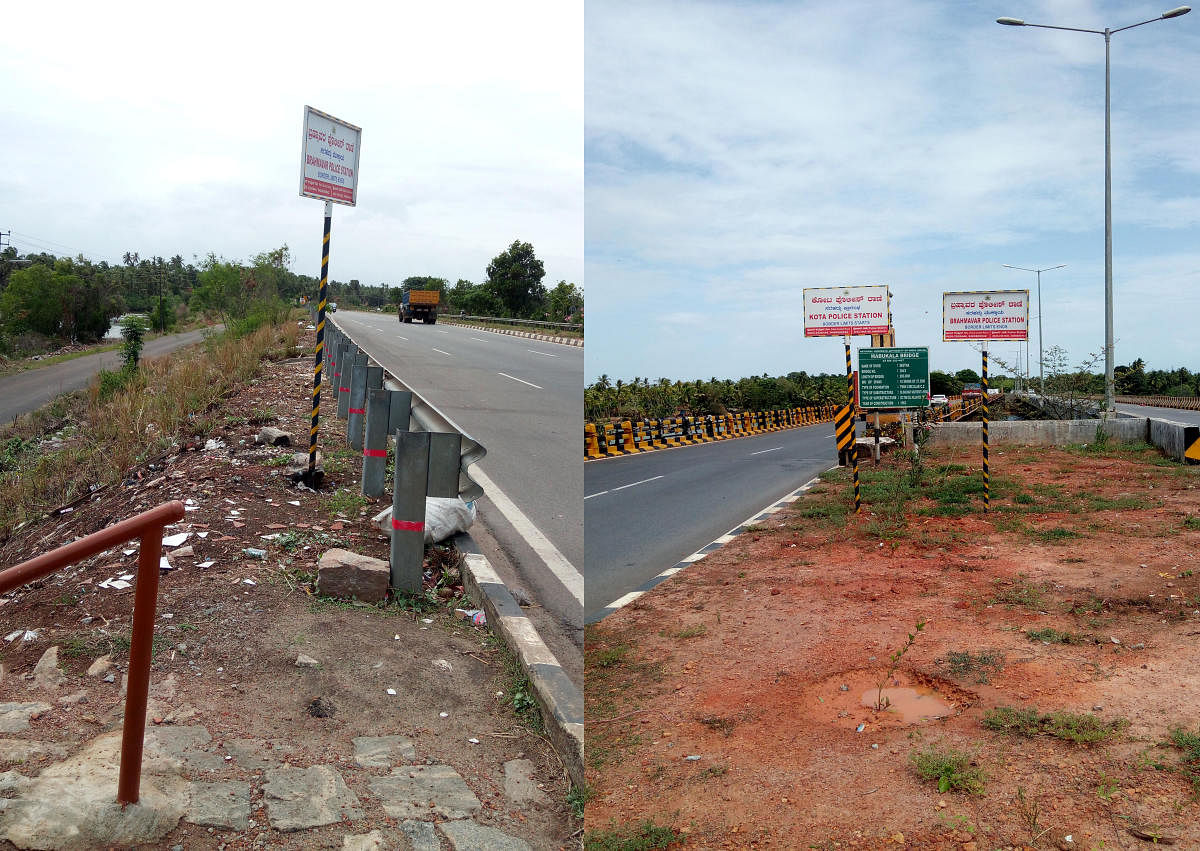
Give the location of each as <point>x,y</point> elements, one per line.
<point>300,798</point>
<point>100,666</point>
<point>341,573</point>
<point>372,841</point>
<point>19,750</point>
<point>47,674</point>
<point>519,785</point>
<point>421,835</point>
<point>184,552</point>
<point>467,835</point>
<point>72,699</point>
<point>15,717</point>
<point>420,791</point>
<point>222,804</point>
<point>319,707</point>
<point>303,661</point>
<point>383,751</point>
<point>270,436</point>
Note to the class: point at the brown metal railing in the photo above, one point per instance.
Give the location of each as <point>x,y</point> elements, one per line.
<point>149,527</point>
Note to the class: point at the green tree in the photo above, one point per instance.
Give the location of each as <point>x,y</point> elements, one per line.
<point>565,303</point>
<point>967,376</point>
<point>514,277</point>
<point>33,301</point>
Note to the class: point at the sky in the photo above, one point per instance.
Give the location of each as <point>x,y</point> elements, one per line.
<point>175,129</point>
<point>737,153</point>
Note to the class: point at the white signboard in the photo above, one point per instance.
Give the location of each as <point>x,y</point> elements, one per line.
<point>845,311</point>
<point>999,315</point>
<point>329,158</point>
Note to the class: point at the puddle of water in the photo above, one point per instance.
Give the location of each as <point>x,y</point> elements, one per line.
<point>911,704</point>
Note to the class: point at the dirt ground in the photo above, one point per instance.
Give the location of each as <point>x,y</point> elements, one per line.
<point>231,624</point>
<point>735,703</point>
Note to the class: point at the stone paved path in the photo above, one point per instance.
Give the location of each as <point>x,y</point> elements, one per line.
<point>71,803</point>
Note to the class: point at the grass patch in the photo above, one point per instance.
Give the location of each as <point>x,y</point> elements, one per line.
<point>1076,727</point>
<point>1049,635</point>
<point>1055,535</point>
<point>976,668</point>
<point>1095,502</point>
<point>952,770</point>
<point>645,836</point>
<point>1019,593</point>
<point>345,501</point>
<point>577,798</point>
<point>694,631</point>
<point>607,657</point>
<point>1189,762</point>
<point>1192,522</point>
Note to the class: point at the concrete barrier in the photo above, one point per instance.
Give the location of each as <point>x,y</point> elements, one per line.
<point>1173,438</point>
<point>1041,432</point>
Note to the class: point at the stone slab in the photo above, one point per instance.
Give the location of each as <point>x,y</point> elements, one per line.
<point>15,717</point>
<point>421,835</point>
<point>519,785</point>
<point>19,750</point>
<point>300,798</point>
<point>47,674</point>
<point>222,804</point>
<point>416,791</point>
<point>372,841</point>
<point>469,836</point>
<point>383,751</point>
<point>341,573</point>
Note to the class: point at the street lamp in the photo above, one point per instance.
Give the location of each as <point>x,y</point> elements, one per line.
<point>1109,386</point>
<point>1041,374</point>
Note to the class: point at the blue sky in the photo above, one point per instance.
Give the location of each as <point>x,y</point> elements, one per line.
<point>169,128</point>
<point>736,153</point>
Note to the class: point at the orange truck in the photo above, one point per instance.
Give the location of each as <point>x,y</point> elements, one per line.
<point>419,304</point>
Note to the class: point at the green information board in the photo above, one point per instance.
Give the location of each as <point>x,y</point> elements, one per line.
<point>893,377</point>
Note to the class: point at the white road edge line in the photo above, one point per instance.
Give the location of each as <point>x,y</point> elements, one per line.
<point>543,354</point>
<point>600,493</point>
<point>447,354</point>
<point>762,451</point>
<point>563,570</point>
<point>514,378</point>
<point>482,341</point>
<point>635,484</point>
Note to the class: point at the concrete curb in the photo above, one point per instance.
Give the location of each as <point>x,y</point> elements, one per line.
<point>546,338</point>
<point>560,700</point>
<point>756,518</point>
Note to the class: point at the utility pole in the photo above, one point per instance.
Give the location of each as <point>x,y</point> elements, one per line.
<point>8,234</point>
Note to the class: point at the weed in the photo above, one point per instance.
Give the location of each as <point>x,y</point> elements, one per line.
<point>1080,728</point>
<point>964,665</point>
<point>577,798</point>
<point>278,461</point>
<point>1030,812</point>
<point>646,836</point>
<point>881,702</point>
<point>1191,522</point>
<point>233,421</point>
<point>608,657</point>
<point>1024,499</point>
<point>1189,762</point>
<point>1055,535</point>
<point>694,631</point>
<point>1020,593</point>
<point>1095,502</point>
<point>953,770</point>
<point>262,416</point>
<point>718,724</point>
<point>1049,635</point>
<point>1107,787</point>
<point>346,502</point>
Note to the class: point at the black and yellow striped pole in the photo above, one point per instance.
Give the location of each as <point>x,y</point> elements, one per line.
<point>853,440</point>
<point>987,483</point>
<point>320,352</point>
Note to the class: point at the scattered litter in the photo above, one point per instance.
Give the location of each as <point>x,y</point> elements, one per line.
<point>426,620</point>
<point>293,502</point>
<point>128,552</point>
<point>860,728</point>
<point>255,553</point>
<point>476,616</point>
<point>163,564</point>
<point>65,510</point>
<point>189,501</point>
<point>201,534</point>
<point>875,747</point>
<point>397,638</point>
<point>249,582</point>
<point>206,564</point>
<point>692,758</point>
<point>191,508</point>
<point>499,694</point>
<point>168,615</point>
<point>213,443</point>
<point>442,665</point>
<point>230,501</point>
<point>473,741</point>
<point>31,635</point>
<point>16,633</point>
<point>391,691</point>
<point>119,583</point>
<point>270,537</point>
<point>443,714</point>
<point>175,540</point>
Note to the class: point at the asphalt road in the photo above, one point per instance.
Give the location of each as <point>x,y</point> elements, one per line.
<point>523,400</point>
<point>644,513</point>
<point>1178,415</point>
<point>27,391</point>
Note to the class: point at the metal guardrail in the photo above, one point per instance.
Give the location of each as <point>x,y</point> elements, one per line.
<point>427,417</point>
<point>1185,403</point>
<point>149,527</point>
<point>501,320</point>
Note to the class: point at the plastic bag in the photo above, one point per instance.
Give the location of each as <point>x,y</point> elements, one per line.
<point>445,517</point>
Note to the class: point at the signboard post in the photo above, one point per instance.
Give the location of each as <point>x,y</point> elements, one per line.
<point>982,317</point>
<point>843,312</point>
<point>329,151</point>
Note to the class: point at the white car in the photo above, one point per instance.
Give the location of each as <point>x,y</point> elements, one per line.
<point>937,400</point>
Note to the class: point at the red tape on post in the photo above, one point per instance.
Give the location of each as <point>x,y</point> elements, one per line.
<point>358,410</point>
<point>374,453</point>
<point>408,525</point>
<point>344,389</point>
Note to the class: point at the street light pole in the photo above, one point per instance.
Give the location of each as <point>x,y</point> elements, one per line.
<point>1109,383</point>
<point>1041,373</point>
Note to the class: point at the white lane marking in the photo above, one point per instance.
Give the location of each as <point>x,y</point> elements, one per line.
<point>543,354</point>
<point>601,493</point>
<point>440,331</point>
<point>405,339</point>
<point>514,378</point>
<point>563,570</point>
<point>760,452</point>
<point>635,484</point>
<point>482,341</point>
<point>447,354</point>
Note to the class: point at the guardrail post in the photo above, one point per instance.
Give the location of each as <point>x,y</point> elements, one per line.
<point>408,510</point>
<point>399,410</point>
<point>374,467</point>
<point>444,450</point>
<point>346,368</point>
<point>357,404</point>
